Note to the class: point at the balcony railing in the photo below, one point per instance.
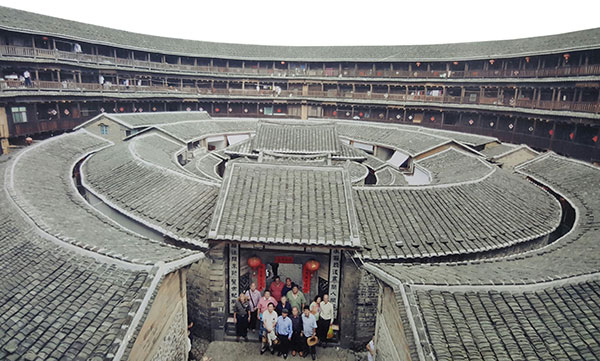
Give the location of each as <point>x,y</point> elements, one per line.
<point>27,52</point>
<point>473,99</point>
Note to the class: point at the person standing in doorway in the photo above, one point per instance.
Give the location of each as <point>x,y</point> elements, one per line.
<point>276,288</point>
<point>253,298</point>
<point>309,329</point>
<point>296,298</point>
<point>325,319</point>
<point>283,304</point>
<point>287,287</point>
<point>296,318</point>
<point>241,317</point>
<point>263,305</point>
<point>269,323</point>
<point>284,333</point>
<point>315,307</point>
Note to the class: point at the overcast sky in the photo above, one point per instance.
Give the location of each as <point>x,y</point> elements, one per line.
<point>329,22</point>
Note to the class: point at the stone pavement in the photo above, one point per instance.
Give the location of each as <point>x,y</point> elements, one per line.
<point>240,351</point>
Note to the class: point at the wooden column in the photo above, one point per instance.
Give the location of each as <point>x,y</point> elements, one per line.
<point>462,94</point>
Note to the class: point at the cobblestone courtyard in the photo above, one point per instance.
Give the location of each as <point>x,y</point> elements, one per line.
<point>233,351</point>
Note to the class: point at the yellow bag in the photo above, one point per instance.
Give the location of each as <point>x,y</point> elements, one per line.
<point>330,332</point>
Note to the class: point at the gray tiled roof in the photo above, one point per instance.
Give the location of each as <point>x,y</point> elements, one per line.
<point>206,166</point>
<point>43,188</point>
<point>71,281</point>
<point>188,131</point>
<point>465,138</point>
<point>497,150</point>
<point>243,148</point>
<point>497,212</point>
<point>296,137</point>
<point>357,171</point>
<point>292,204</point>
<point>158,150</point>
<point>176,204</point>
<point>573,254</point>
<point>559,323</point>
<point>388,176</point>
<point>350,152</point>
<point>374,162</point>
<point>56,304</point>
<point>137,120</point>
<point>452,166</point>
<point>408,139</point>
<point>34,23</point>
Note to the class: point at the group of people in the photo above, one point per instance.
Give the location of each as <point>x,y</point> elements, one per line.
<point>284,318</point>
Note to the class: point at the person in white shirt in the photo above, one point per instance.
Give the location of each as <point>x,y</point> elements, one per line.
<point>325,319</point>
<point>27,77</point>
<point>371,350</point>
<point>269,322</point>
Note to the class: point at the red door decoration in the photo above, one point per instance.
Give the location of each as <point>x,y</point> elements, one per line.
<point>257,266</point>
<point>309,268</point>
<point>260,282</point>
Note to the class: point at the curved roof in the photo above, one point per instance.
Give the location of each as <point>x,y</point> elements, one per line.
<point>23,21</point>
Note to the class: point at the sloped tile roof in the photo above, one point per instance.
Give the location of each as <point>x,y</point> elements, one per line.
<point>28,22</point>
<point>413,222</point>
<point>173,203</point>
<point>453,166</point>
<point>292,204</point>
<point>296,137</point>
<point>188,131</point>
<point>572,255</point>
<point>44,189</point>
<point>558,323</point>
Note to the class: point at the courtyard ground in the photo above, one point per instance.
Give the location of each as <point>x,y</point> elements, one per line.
<point>237,351</point>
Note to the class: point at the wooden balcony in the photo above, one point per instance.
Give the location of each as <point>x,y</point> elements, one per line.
<point>27,52</point>
<point>474,99</point>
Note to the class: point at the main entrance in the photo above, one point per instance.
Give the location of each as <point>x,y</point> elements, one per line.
<point>259,265</point>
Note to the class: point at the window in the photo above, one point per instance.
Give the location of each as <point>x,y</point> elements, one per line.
<point>103,129</point>
<point>19,114</point>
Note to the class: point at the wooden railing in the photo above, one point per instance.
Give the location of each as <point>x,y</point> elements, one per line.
<point>68,86</point>
<point>18,51</point>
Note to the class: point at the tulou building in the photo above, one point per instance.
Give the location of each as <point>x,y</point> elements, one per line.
<point>543,92</point>
<point>431,191</point>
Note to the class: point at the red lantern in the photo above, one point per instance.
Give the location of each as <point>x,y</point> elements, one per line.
<point>432,119</point>
<point>571,136</point>
<point>418,64</point>
<point>566,56</point>
<point>307,271</point>
<point>217,110</point>
<point>595,139</point>
<point>334,113</point>
<point>527,59</point>
<point>278,110</point>
<point>121,109</point>
<point>455,62</point>
<point>551,132</point>
<point>312,265</point>
<point>254,262</point>
<point>360,114</point>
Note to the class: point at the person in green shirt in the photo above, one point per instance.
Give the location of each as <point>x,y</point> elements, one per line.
<point>296,298</point>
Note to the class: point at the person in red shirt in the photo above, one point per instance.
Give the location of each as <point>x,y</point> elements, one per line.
<point>276,288</point>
